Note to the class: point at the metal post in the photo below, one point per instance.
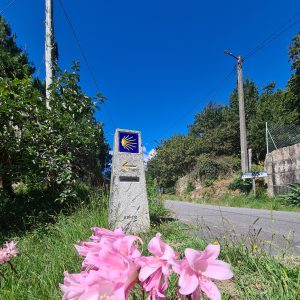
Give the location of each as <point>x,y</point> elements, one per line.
<point>49,48</point>
<point>243,134</point>
<point>267,141</point>
<point>250,165</point>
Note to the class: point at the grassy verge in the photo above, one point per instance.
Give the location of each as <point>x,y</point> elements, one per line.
<point>257,275</point>
<point>46,253</point>
<point>249,201</point>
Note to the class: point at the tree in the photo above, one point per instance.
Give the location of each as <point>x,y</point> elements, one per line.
<point>175,157</point>
<point>293,85</point>
<point>16,92</point>
<point>46,149</point>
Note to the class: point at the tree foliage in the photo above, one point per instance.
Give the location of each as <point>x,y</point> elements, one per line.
<point>215,130</point>
<point>50,151</point>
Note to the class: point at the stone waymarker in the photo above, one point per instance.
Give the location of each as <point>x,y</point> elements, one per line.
<point>128,203</point>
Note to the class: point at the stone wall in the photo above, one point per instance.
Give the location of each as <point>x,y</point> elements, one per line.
<point>283,167</point>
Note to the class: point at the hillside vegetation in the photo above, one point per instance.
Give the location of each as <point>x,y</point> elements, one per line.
<point>215,131</point>
<point>48,158</point>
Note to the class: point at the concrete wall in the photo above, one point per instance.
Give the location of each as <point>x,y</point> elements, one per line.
<point>283,167</point>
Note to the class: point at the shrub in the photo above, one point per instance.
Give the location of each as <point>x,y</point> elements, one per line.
<point>157,210</point>
<point>239,184</point>
<point>208,168</point>
<point>293,197</point>
<point>190,187</point>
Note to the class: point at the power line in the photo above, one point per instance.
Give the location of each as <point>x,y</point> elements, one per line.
<point>79,45</point>
<point>274,35</point>
<point>82,53</point>
<point>210,94</point>
<point>40,66</point>
<point>7,6</point>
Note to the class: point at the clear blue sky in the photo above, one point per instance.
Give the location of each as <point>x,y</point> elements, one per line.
<point>157,61</point>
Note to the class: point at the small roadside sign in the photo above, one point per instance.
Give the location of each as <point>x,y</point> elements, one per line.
<point>251,175</point>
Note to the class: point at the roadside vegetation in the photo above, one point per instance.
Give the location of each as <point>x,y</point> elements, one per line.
<point>209,151</point>
<point>49,158</point>
<point>261,201</point>
<point>52,169</point>
<point>46,252</point>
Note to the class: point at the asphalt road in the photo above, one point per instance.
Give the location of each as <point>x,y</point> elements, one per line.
<point>277,231</point>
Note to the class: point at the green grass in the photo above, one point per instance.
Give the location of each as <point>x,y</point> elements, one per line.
<point>46,253</point>
<point>261,201</point>
<point>257,275</point>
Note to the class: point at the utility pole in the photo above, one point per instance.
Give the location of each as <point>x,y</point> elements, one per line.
<point>243,134</point>
<point>49,43</point>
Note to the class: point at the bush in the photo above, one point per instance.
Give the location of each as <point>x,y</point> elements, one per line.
<point>190,187</point>
<point>293,197</point>
<point>208,168</point>
<point>238,183</point>
<point>157,210</point>
<point>30,208</point>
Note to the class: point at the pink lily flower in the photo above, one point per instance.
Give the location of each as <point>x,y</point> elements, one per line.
<point>4,257</point>
<point>197,268</point>
<point>108,236</point>
<point>86,286</point>
<point>155,270</point>
<point>11,249</point>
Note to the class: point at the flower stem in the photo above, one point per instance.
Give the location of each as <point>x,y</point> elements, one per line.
<point>2,275</point>
<point>12,267</point>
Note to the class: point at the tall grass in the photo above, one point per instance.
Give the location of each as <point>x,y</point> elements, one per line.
<point>257,275</point>
<point>47,252</point>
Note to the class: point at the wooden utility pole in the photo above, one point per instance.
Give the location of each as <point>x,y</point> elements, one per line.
<point>49,44</point>
<point>243,134</point>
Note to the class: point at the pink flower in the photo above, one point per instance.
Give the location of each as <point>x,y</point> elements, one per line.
<point>109,262</point>
<point>4,257</point>
<point>11,249</point>
<point>8,251</point>
<point>196,269</point>
<point>106,236</point>
<point>155,270</point>
<point>86,286</point>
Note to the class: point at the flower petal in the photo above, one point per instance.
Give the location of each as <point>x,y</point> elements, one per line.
<point>147,271</point>
<point>211,252</point>
<point>155,245</point>
<point>210,289</point>
<point>188,282</point>
<point>194,259</point>
<point>218,270</point>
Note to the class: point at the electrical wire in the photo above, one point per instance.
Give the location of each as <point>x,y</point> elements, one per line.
<point>274,35</point>
<point>37,73</point>
<point>82,53</point>
<point>7,6</point>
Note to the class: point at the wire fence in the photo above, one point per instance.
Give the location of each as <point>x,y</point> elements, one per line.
<point>281,135</point>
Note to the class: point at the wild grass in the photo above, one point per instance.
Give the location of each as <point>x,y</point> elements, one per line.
<point>47,252</point>
<point>261,201</point>
<point>257,274</point>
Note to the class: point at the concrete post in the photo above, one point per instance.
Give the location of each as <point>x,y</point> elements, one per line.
<point>128,204</point>
<point>243,134</point>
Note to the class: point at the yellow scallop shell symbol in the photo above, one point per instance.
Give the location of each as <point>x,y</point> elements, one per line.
<point>128,142</point>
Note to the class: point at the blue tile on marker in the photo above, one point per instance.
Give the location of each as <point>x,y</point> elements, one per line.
<point>128,142</point>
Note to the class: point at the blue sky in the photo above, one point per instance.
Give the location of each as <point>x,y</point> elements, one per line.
<point>157,61</point>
